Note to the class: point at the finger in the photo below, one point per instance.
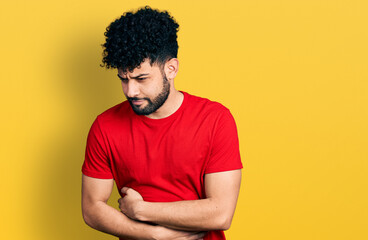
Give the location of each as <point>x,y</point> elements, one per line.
<point>194,236</point>
<point>124,190</point>
<point>200,236</point>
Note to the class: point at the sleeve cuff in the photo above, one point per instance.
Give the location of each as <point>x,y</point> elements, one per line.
<point>97,174</point>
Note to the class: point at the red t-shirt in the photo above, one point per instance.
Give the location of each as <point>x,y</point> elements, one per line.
<point>164,159</point>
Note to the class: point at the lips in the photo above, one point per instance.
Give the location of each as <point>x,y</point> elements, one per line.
<point>137,102</point>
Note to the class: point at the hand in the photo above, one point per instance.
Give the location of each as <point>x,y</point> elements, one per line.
<point>131,203</point>
<point>164,233</point>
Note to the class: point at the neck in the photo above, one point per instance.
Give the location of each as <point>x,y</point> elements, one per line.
<point>171,105</point>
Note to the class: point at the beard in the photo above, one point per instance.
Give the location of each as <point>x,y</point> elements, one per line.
<point>153,104</point>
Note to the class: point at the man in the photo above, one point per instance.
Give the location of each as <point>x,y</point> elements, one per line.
<point>174,156</point>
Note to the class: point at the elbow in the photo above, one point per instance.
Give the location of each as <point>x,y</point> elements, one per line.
<point>224,222</point>
<point>92,214</point>
<point>88,219</point>
<point>225,225</point>
<point>223,216</point>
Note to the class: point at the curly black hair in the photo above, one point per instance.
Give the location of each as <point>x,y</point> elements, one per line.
<point>136,36</point>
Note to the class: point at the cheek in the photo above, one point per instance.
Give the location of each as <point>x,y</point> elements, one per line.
<point>148,89</point>
<point>124,88</point>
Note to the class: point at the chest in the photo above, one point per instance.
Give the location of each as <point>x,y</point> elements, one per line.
<point>174,153</point>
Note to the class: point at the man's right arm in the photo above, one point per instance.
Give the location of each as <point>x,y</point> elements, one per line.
<point>100,216</point>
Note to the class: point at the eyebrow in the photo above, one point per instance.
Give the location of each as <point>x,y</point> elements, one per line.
<point>136,77</point>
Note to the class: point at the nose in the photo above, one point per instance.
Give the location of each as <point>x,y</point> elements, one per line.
<point>131,88</point>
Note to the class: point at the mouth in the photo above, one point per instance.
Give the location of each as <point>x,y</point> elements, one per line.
<point>136,101</point>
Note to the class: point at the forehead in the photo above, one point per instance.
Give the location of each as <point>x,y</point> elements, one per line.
<point>145,67</point>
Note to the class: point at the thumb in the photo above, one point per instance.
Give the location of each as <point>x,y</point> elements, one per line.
<point>124,190</point>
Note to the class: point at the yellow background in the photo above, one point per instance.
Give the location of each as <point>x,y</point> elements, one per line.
<point>293,73</point>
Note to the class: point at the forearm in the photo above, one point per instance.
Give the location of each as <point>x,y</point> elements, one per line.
<point>99,215</point>
<point>192,215</point>
<point>105,218</point>
<point>212,213</point>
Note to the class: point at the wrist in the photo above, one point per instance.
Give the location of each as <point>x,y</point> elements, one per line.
<point>157,232</point>
<point>140,211</point>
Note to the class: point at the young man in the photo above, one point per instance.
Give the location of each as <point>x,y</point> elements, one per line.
<point>174,156</point>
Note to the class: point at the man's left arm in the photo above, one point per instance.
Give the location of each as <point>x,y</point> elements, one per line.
<point>215,212</point>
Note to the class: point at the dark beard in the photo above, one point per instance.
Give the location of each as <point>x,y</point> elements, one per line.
<point>154,104</point>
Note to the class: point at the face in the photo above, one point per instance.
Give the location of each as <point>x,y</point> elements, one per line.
<point>146,88</point>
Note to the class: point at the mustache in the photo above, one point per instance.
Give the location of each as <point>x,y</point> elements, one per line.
<point>136,99</point>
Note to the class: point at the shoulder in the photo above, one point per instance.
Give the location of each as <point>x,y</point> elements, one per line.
<point>114,115</point>
<point>205,106</point>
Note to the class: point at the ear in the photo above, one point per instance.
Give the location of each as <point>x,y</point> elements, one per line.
<point>171,68</point>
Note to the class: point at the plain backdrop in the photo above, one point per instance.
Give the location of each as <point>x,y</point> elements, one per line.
<point>293,73</point>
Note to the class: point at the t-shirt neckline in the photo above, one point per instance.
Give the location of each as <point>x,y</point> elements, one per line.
<point>168,118</point>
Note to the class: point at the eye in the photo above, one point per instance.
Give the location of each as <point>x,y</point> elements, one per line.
<point>122,79</point>
<point>141,79</point>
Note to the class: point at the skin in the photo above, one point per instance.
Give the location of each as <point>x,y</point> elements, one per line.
<point>215,212</point>
<point>146,81</point>
<point>182,220</point>
<point>100,216</point>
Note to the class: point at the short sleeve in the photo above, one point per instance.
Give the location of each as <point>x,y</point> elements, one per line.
<point>96,163</point>
<point>225,154</point>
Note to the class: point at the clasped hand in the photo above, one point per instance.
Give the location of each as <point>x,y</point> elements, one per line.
<point>131,203</point>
